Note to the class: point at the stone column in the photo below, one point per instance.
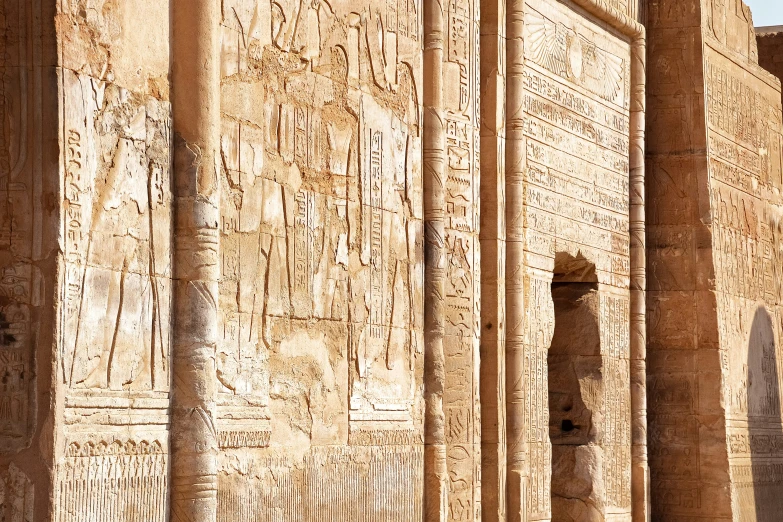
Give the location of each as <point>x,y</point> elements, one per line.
<point>518,466</point>
<point>435,476</point>
<point>493,261</point>
<point>196,119</point>
<point>640,470</point>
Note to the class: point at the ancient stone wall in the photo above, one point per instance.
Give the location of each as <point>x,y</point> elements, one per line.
<point>714,156</point>
<point>29,229</point>
<point>115,272</point>
<point>387,261</point>
<point>568,172</point>
<point>769,41</point>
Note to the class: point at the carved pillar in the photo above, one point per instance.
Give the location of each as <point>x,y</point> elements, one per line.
<point>435,475</point>
<point>493,261</point>
<point>518,466</point>
<point>196,118</point>
<point>640,470</point>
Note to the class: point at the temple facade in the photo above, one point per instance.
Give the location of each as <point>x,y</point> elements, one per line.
<point>390,261</point>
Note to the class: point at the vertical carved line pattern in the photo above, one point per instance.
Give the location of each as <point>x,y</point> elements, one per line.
<point>384,488</point>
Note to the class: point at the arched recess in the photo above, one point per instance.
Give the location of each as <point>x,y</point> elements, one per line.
<point>576,393</point>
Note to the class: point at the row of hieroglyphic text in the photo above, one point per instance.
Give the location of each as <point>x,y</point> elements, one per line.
<point>461,398</point>
<point>320,306</point>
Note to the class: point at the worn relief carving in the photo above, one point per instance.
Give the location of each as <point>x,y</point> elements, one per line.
<point>321,249</point>
<point>17,495</point>
<point>115,290</point>
<point>744,157</point>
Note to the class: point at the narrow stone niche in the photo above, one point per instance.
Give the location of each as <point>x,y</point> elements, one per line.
<point>576,394</point>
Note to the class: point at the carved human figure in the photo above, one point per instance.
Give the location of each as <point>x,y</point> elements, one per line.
<point>116,337</point>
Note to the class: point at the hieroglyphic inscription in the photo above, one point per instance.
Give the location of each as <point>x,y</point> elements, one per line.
<point>615,352</point>
<point>744,125</point>
<point>539,328</point>
<point>578,142</point>
<point>461,401</point>
<point>577,125</point>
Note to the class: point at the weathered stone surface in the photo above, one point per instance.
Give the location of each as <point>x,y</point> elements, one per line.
<point>769,41</point>
<point>386,260</point>
<point>714,180</point>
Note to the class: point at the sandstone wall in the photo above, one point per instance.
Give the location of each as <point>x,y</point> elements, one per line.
<point>714,181</point>
<point>258,225</point>
<point>770,42</point>
<point>28,234</point>
<point>115,266</point>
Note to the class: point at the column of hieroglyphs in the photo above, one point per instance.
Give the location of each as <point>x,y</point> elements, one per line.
<point>115,270</point>
<point>493,261</point>
<point>461,177</point>
<point>28,239</point>
<point>714,252</point>
<point>320,351</point>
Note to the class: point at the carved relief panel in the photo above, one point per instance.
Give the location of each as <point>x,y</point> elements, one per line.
<point>22,284</point>
<point>115,290</point>
<point>744,126</point>
<point>577,107</point>
<point>321,299</point>
<point>462,173</point>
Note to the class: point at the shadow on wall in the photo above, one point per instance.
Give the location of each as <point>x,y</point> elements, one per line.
<point>765,433</point>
